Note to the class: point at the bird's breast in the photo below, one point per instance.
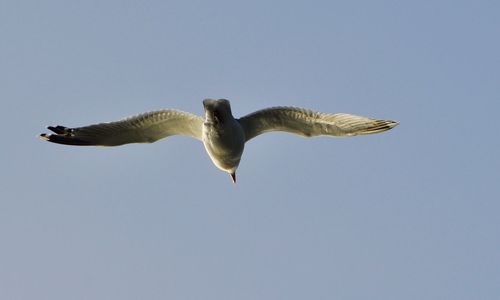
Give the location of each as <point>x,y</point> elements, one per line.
<point>224,144</point>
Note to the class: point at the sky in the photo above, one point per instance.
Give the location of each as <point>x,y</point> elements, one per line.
<point>407,214</point>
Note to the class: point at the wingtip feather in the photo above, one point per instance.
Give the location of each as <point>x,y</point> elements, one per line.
<point>392,124</point>
<point>64,139</point>
<point>43,136</point>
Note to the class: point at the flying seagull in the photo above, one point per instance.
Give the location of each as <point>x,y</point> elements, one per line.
<point>223,136</point>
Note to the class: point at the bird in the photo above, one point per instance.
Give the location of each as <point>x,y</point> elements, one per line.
<point>223,136</point>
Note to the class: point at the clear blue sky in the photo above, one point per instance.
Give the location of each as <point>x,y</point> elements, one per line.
<point>408,214</point>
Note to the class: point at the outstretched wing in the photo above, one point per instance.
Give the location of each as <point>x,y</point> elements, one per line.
<point>144,128</point>
<point>310,123</point>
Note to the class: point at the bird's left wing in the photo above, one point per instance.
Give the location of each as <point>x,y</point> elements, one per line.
<point>144,128</point>
<point>309,123</point>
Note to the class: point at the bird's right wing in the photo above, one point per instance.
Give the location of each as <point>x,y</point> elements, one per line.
<point>309,123</point>
<point>144,128</point>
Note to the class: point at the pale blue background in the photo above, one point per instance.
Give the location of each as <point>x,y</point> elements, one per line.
<point>409,214</point>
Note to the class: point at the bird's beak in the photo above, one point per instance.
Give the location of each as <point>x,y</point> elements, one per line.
<point>233,177</point>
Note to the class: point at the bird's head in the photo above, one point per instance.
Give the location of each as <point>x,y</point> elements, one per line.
<point>217,111</point>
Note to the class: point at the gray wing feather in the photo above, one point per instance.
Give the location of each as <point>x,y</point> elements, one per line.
<point>309,123</point>
<point>144,128</point>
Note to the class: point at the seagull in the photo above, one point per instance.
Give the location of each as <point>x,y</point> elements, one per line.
<point>223,136</point>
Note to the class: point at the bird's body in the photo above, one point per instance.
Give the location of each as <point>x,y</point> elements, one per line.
<point>223,136</point>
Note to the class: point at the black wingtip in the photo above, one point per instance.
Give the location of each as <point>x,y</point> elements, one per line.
<point>392,124</point>
<point>64,140</point>
<point>382,125</point>
<point>63,135</point>
<point>44,137</point>
<point>60,129</point>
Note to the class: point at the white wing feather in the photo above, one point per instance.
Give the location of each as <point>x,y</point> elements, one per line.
<point>310,123</point>
<point>144,128</point>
